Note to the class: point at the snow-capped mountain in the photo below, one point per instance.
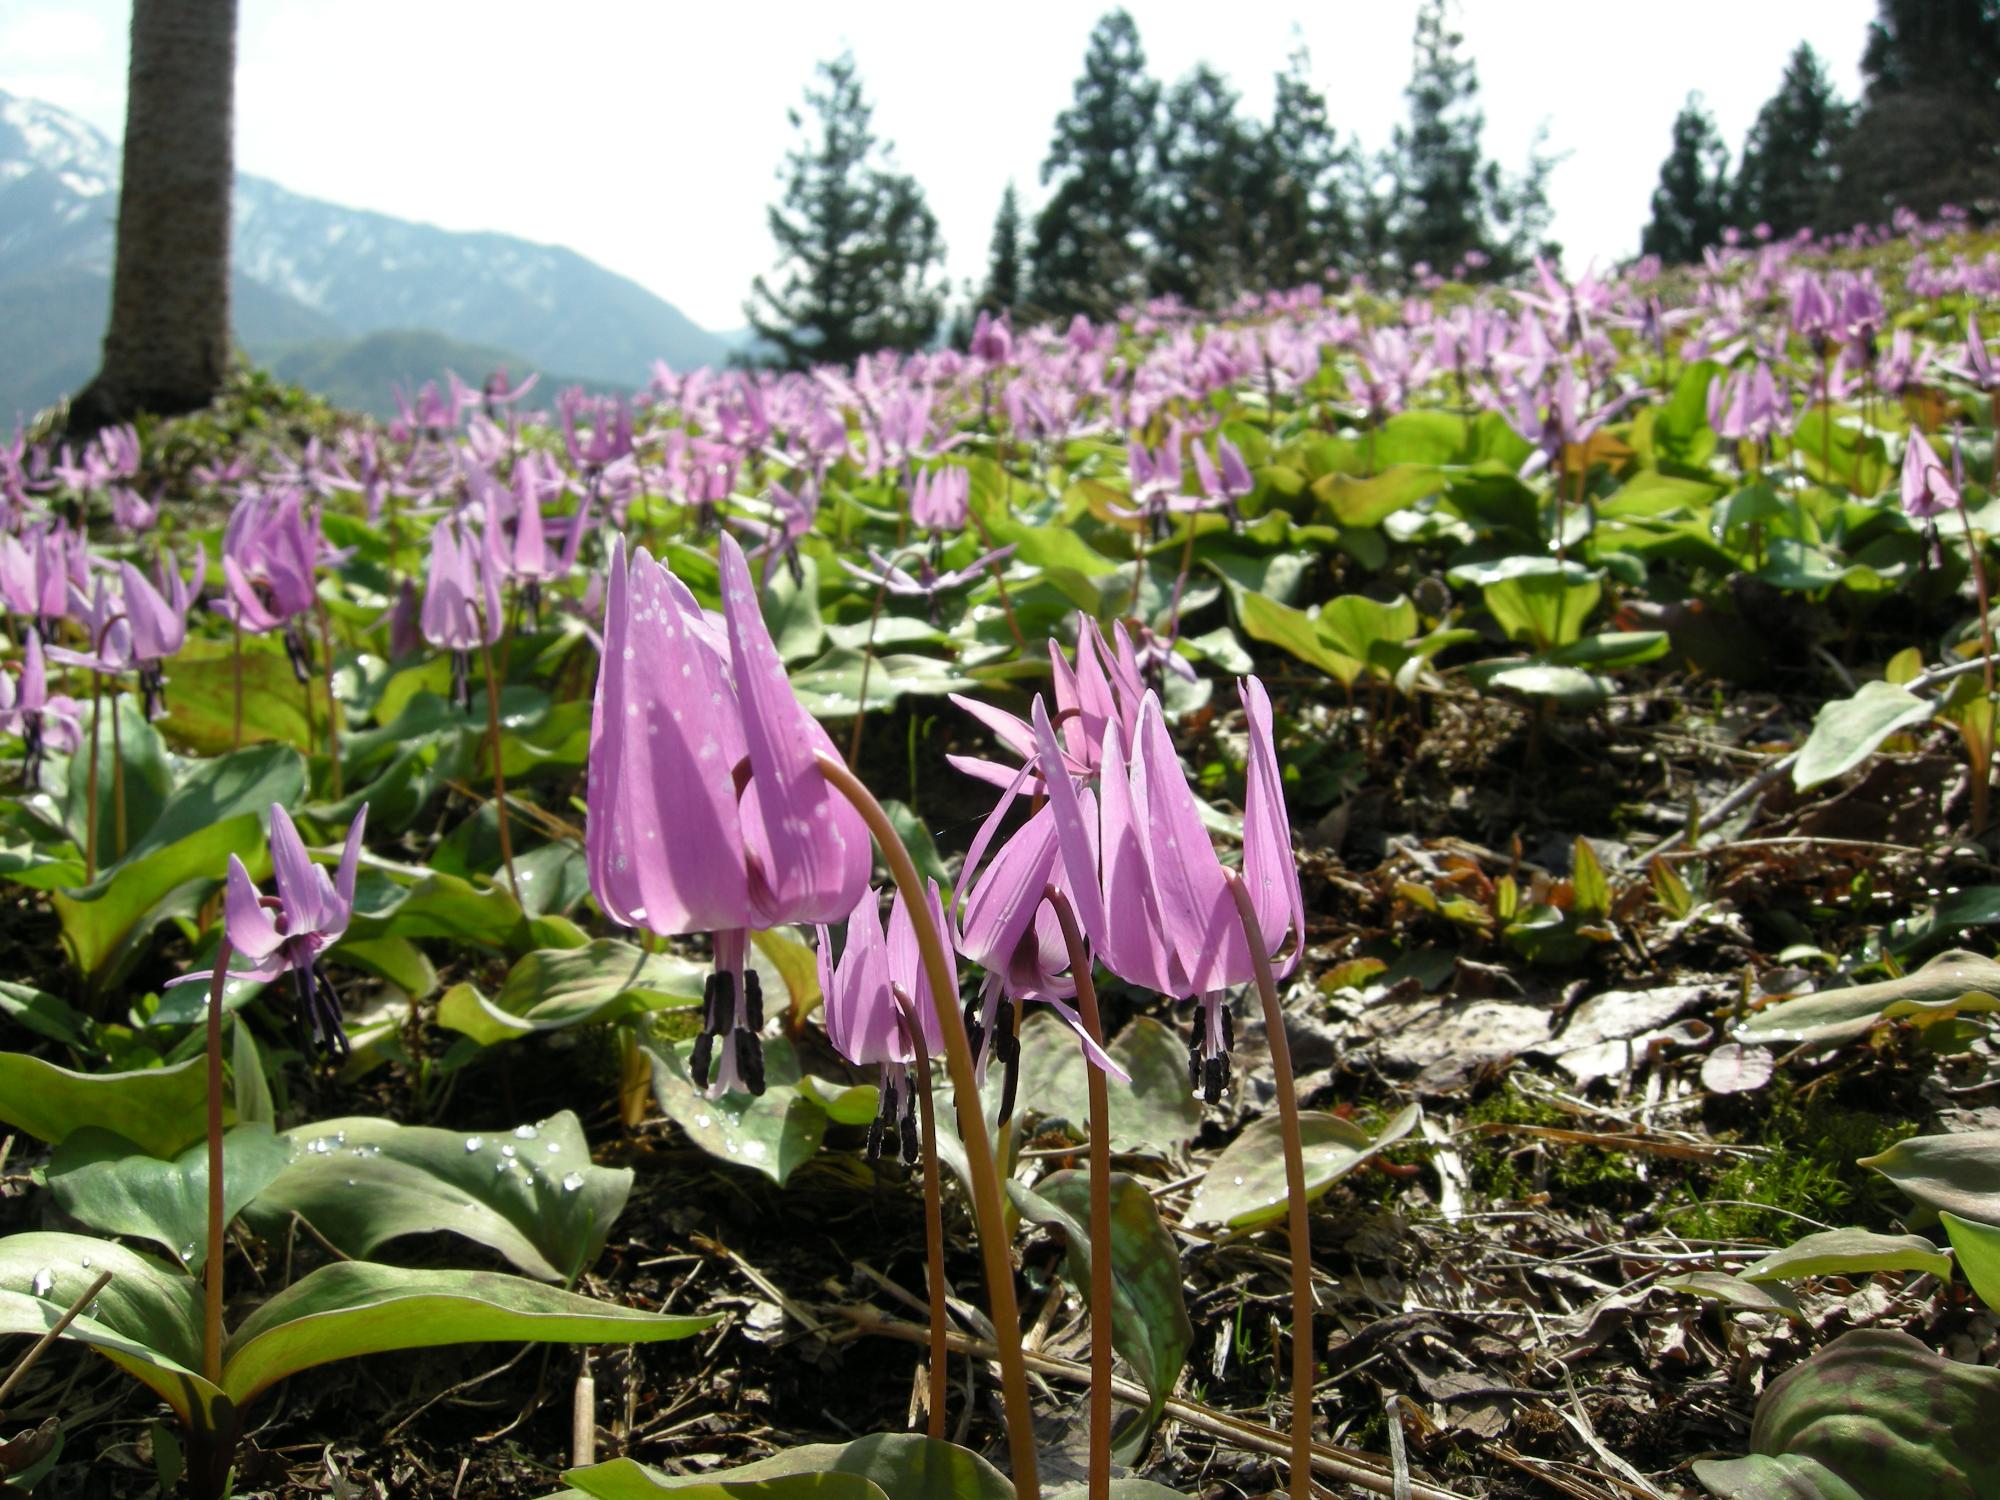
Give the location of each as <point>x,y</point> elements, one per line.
<point>304,270</point>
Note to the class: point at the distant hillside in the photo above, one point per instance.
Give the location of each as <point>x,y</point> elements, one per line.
<point>309,273</point>
<point>362,374</point>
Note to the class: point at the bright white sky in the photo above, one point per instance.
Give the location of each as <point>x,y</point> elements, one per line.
<point>646,134</point>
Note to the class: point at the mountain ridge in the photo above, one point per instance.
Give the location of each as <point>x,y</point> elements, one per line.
<point>305,271</point>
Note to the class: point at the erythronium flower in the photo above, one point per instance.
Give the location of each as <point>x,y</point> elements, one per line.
<point>940,499</point>
<point>1105,685</point>
<point>106,629</point>
<point>863,1021</point>
<point>158,615</point>
<point>290,932</point>
<point>927,583</point>
<point>1927,486</point>
<point>44,721</point>
<point>461,611</point>
<point>268,557</point>
<point>706,808</point>
<point>1148,888</point>
<point>1225,479</point>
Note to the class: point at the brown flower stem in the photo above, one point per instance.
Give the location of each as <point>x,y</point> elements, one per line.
<point>236,653</point>
<point>499,777</point>
<point>312,718</point>
<point>1298,1221</point>
<point>211,1341</point>
<point>1100,1203</point>
<point>332,703</point>
<point>867,663</point>
<point>940,1351</point>
<point>90,801</point>
<point>989,1211</point>
<point>117,781</point>
<point>999,578</point>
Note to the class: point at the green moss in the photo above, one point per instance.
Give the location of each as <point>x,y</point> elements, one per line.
<point>1814,1140</point>
<point>1505,1165</point>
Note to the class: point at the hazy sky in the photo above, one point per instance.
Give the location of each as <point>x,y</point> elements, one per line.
<point>647,134</point>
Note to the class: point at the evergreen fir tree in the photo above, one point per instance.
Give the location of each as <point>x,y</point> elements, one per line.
<point>1089,254</point>
<point>1003,266</point>
<point>1449,199</point>
<point>1928,130</point>
<point>1208,187</point>
<point>1692,201</point>
<point>1787,178</point>
<point>857,245</point>
<point>1307,223</point>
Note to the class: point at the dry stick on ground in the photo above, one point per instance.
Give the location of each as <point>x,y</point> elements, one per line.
<point>40,1346</point>
<point>1784,763</point>
<point>1344,1465</point>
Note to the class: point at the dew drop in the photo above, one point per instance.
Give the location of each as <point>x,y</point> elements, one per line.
<point>508,1152</point>
<point>44,1280</point>
<point>525,1132</point>
<point>572,1182</point>
<point>473,1142</point>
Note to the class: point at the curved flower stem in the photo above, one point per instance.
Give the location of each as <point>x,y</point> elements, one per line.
<point>90,803</point>
<point>236,655</point>
<point>211,1340</point>
<point>988,1210</point>
<point>940,1355</point>
<point>1299,1223</point>
<point>499,778</point>
<point>332,703</point>
<point>117,780</point>
<point>1100,1203</point>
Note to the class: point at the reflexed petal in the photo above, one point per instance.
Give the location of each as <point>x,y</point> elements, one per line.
<point>808,851</point>
<point>245,918</point>
<point>1200,918</point>
<point>302,885</point>
<point>1099,1058</point>
<point>350,862</point>
<point>906,964</point>
<point>1270,872</point>
<point>664,841</point>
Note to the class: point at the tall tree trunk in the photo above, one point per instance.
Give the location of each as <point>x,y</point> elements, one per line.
<point>167,347</point>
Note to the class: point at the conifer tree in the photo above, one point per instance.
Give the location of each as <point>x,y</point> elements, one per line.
<point>1692,201</point>
<point>1307,222</point>
<point>1787,177</point>
<point>1928,130</point>
<point>857,244</point>
<point>1208,191</point>
<point>1089,253</point>
<point>1003,265</point>
<point>1449,200</point>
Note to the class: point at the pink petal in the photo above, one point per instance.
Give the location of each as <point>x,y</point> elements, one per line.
<point>245,918</point>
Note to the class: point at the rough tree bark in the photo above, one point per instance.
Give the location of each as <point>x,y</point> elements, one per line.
<point>166,349</point>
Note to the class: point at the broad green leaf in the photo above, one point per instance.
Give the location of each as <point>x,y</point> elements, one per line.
<point>1612,649</point>
<point>1156,1114</point>
<point>830,687</point>
<point>1539,601</point>
<point>42,1013</point>
<point>247,781</point>
<point>158,1109</point>
<point>900,1465</point>
<point>148,779</point>
<point>531,1193</point>
<point>1245,1187</point>
<point>1977,1246</point>
<point>105,927</point>
<point>1953,981</point>
<point>770,1133</point>
<point>1849,1252</point>
<point>778,955</point>
<point>1149,1318</point>
<point>1369,502</point>
<point>1849,730</point>
<point>353,1307</point>
<point>201,697</point>
<point>1265,619</point>
<point>1958,1173</point>
<point>1567,687</point>
<point>627,1479</point>
<point>147,1319</point>
<point>248,1085</point>
<point>1750,1296</point>
<point>791,610</point>
<point>1369,630</point>
<point>106,1182</point>
<point>605,980</point>
<point>1873,1416</point>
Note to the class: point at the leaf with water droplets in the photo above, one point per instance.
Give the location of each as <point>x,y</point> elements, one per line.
<point>769,1133</point>
<point>105,1181</point>
<point>362,1182</point>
